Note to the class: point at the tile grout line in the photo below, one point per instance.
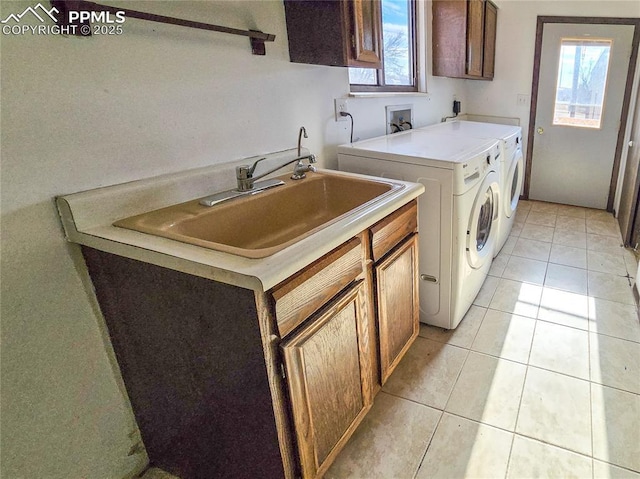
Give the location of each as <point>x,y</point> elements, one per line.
<point>544,368</point>
<point>524,383</point>
<point>424,454</point>
<point>563,448</point>
<point>446,403</point>
<point>591,409</point>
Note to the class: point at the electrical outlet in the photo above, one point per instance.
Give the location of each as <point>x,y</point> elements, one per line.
<point>341,105</point>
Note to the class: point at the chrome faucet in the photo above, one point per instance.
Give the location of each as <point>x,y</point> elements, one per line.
<point>245,178</point>
<point>300,169</point>
<point>302,131</point>
<point>249,184</point>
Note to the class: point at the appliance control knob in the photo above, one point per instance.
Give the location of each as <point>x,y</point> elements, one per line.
<point>488,159</point>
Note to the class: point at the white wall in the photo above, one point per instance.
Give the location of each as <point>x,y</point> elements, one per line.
<point>79,113</point>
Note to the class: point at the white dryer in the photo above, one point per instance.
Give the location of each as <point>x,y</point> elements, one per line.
<point>457,214</point>
<point>511,164</point>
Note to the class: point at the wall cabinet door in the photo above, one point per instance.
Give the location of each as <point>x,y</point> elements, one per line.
<point>336,33</point>
<point>366,32</point>
<point>398,306</point>
<point>464,37</point>
<point>489,55</point>
<point>475,37</point>
<point>327,367</point>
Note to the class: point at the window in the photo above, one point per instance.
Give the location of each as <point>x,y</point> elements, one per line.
<point>398,52</point>
<point>582,78</point>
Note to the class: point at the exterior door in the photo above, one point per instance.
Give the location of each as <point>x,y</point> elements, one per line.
<point>629,210</point>
<point>581,87</point>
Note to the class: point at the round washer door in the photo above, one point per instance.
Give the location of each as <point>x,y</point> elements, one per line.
<point>482,223</point>
<point>514,184</point>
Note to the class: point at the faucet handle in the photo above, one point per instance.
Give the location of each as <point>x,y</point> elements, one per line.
<point>312,159</point>
<point>243,172</point>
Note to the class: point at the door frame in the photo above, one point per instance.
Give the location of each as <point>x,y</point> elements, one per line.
<point>542,20</point>
<point>628,210</point>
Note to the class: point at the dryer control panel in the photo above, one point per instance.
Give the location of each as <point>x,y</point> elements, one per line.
<point>511,145</point>
<point>474,170</point>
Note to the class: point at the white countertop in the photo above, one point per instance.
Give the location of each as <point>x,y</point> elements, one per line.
<point>88,219</point>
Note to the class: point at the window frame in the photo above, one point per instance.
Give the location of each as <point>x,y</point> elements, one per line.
<point>381,87</point>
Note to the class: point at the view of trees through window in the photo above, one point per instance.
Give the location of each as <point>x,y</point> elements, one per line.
<point>582,78</point>
<point>397,48</point>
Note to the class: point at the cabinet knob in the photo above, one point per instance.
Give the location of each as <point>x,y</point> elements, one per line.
<point>540,130</point>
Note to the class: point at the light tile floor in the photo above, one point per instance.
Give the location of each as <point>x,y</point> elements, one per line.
<point>540,379</point>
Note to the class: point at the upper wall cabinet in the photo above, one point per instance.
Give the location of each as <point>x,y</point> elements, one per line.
<point>464,38</point>
<point>336,33</point>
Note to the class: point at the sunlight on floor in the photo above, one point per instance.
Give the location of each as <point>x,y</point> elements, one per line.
<point>540,379</point>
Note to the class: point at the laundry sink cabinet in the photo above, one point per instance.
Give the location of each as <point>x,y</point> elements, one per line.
<point>338,358</point>
<point>395,252</point>
<point>227,381</point>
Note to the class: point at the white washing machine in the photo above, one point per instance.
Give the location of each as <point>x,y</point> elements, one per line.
<point>511,164</point>
<point>457,214</point>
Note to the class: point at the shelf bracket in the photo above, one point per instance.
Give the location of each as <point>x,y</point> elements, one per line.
<point>65,7</point>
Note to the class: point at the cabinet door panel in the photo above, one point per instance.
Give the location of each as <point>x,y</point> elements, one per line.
<point>366,32</point>
<point>316,32</point>
<point>398,311</point>
<point>390,231</point>
<point>490,23</point>
<point>475,37</point>
<point>449,31</point>
<point>299,297</point>
<point>326,367</point>
<point>337,33</point>
<point>464,36</point>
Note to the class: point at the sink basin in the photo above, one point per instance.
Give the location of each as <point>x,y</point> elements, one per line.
<point>261,224</point>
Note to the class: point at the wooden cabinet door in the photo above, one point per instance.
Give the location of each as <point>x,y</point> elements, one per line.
<point>475,37</point>
<point>337,33</point>
<point>398,307</point>
<point>489,54</point>
<point>366,33</point>
<point>464,38</point>
<point>328,370</point>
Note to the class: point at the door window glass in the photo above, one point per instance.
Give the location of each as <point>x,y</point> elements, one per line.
<point>582,78</point>
<point>484,221</point>
<point>514,185</point>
